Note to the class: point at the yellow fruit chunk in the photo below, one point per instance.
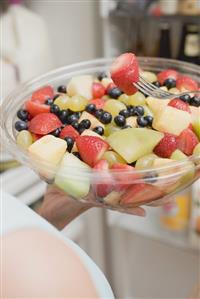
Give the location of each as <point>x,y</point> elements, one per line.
<point>145,162</point>
<point>89,132</point>
<point>46,153</point>
<point>24,139</point>
<point>132,121</point>
<point>114,107</point>
<point>113,157</point>
<point>149,76</point>
<point>156,104</point>
<point>111,128</point>
<point>77,103</point>
<point>137,99</point>
<point>171,120</point>
<point>80,85</point>
<point>62,101</point>
<point>106,81</point>
<point>124,98</point>
<point>94,121</point>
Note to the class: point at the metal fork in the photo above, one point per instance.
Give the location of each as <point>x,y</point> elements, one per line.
<point>155,92</point>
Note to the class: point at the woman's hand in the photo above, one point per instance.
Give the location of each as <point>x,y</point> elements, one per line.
<point>59,209</point>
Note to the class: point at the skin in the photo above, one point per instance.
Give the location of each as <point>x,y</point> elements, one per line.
<point>59,209</point>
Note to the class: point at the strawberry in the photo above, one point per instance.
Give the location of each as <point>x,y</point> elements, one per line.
<point>91,148</point>
<point>141,193</point>
<point>99,103</point>
<point>166,74</point>
<point>166,146</point>
<point>44,123</point>
<point>186,83</point>
<point>98,90</point>
<point>104,183</point>
<point>69,131</point>
<point>35,108</point>
<point>187,141</point>
<point>179,104</point>
<point>125,72</point>
<point>124,175</point>
<point>42,94</point>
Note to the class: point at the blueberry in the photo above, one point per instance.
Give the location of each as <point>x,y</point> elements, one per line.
<point>106,118</point>
<point>21,125</point>
<point>125,113</point>
<point>55,97</point>
<point>101,76</point>
<point>70,143</point>
<point>55,109</point>
<point>77,114</point>
<point>22,114</point>
<point>71,118</point>
<point>186,98</point>
<point>91,108</point>
<point>195,101</point>
<point>170,83</point>
<point>77,155</point>
<point>151,177</point>
<point>49,102</point>
<point>157,83</point>
<point>98,113</point>
<point>131,110</point>
<point>139,111</point>
<point>141,121</point>
<point>56,132</point>
<point>85,123</point>
<point>149,119</point>
<point>75,125</point>
<point>120,120</point>
<point>61,89</point>
<point>114,92</point>
<point>99,130</point>
<point>81,129</point>
<point>64,115</point>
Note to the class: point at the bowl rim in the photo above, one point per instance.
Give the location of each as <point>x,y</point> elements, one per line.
<point>15,151</point>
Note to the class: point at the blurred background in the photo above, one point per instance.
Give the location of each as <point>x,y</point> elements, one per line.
<point>155,257</point>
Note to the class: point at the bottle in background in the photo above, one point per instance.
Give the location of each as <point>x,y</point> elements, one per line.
<point>189,49</point>
<point>164,41</point>
<point>195,213</point>
<point>176,214</point>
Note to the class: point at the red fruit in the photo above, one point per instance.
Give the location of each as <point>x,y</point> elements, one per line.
<point>166,146</point>
<point>44,123</point>
<point>187,141</point>
<point>69,131</point>
<point>125,72</point>
<point>42,94</point>
<point>179,104</point>
<point>35,108</point>
<point>185,82</point>
<point>98,90</point>
<point>104,184</point>
<point>36,136</point>
<point>91,148</point>
<point>99,103</point>
<point>124,176</point>
<point>141,193</point>
<point>166,74</point>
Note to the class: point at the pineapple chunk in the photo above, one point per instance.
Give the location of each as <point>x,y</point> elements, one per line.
<point>132,121</point>
<point>46,153</point>
<point>89,132</point>
<point>80,85</point>
<point>171,120</point>
<point>156,104</point>
<point>94,121</point>
<point>149,76</point>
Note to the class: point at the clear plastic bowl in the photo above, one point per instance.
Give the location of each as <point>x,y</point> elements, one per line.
<point>138,187</point>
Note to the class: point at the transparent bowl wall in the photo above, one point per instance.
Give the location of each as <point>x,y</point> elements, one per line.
<point>139,187</point>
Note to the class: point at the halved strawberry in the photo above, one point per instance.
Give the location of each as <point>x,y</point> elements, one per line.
<point>98,90</point>
<point>69,131</point>
<point>125,72</point>
<point>91,148</point>
<point>35,108</point>
<point>141,193</point>
<point>124,176</point>
<point>104,184</point>
<point>166,74</point>
<point>187,141</point>
<point>179,104</point>
<point>186,83</point>
<point>99,103</point>
<point>166,146</point>
<point>44,123</point>
<point>42,94</point>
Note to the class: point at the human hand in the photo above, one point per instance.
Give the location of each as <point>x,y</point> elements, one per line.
<point>60,209</point>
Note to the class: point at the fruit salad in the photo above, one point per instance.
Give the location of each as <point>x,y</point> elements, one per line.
<point>99,138</point>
